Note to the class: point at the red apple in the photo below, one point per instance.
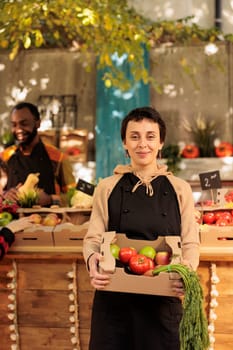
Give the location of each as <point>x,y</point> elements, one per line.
<point>162,258</point>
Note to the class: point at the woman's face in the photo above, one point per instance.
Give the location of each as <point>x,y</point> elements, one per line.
<point>142,142</point>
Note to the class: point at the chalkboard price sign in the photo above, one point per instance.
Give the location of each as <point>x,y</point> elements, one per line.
<point>210,180</point>
<point>85,187</point>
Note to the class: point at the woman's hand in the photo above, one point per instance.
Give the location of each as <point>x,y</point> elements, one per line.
<point>98,280</point>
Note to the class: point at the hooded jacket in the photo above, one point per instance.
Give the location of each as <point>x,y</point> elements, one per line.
<point>99,216</point>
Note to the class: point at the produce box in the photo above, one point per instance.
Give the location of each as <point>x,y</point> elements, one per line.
<point>216,236</point>
<point>61,232</point>
<point>75,216</point>
<point>121,281</point>
<point>37,237</point>
<point>69,235</point>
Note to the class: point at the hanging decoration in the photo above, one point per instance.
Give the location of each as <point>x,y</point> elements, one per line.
<point>73,308</point>
<point>12,306</point>
<point>213,304</point>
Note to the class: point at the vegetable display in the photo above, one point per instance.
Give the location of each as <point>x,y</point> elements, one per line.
<point>28,192</point>
<point>193,326</point>
<point>81,200</point>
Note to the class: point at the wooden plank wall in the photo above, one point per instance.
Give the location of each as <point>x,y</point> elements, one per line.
<point>43,303</point>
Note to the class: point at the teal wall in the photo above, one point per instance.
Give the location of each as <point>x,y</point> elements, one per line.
<point>111,107</point>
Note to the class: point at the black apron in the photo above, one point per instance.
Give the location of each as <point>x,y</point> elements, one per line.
<point>126,321</point>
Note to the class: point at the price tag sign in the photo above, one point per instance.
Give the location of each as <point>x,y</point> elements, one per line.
<point>210,180</point>
<point>85,187</point>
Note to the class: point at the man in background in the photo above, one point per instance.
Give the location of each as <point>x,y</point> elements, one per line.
<point>30,155</point>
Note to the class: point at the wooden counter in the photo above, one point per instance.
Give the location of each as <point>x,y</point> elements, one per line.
<point>45,289</point>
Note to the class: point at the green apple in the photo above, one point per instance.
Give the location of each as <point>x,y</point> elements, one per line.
<point>5,218</point>
<point>115,249</point>
<point>148,251</point>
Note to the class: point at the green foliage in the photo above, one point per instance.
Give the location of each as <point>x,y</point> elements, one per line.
<point>194,324</point>
<point>70,193</point>
<point>173,157</point>
<point>94,27</point>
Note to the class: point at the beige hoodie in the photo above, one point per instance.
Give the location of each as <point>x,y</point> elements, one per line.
<point>99,216</point>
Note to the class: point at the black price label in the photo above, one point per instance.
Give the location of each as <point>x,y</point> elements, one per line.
<point>210,180</point>
<point>85,187</point>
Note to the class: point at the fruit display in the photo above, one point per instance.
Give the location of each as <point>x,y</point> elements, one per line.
<point>218,217</point>
<point>140,261</point>
<point>5,218</point>
<point>8,211</point>
<point>50,219</point>
<point>219,213</point>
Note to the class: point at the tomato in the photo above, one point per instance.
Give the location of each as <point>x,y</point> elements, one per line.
<point>209,217</point>
<point>190,151</point>
<point>148,251</point>
<point>217,214</point>
<point>226,215</point>
<point>222,222</point>
<point>126,253</point>
<point>229,196</point>
<point>115,249</point>
<point>208,202</point>
<point>139,264</point>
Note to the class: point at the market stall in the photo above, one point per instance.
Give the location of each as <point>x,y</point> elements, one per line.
<point>46,296</point>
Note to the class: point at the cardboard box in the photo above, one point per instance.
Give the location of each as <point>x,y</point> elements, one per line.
<point>69,235</point>
<point>216,236</point>
<point>75,216</point>
<point>124,282</point>
<point>37,237</point>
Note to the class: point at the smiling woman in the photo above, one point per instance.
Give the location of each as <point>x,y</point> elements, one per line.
<point>151,202</point>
